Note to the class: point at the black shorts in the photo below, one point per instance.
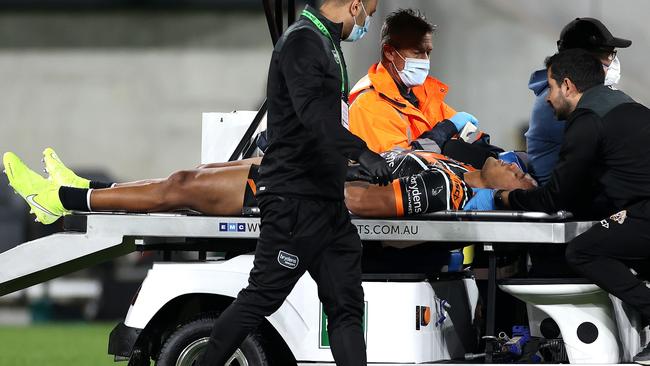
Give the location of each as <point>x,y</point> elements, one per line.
<point>251,187</point>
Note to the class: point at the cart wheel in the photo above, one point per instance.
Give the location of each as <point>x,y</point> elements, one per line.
<point>188,342</point>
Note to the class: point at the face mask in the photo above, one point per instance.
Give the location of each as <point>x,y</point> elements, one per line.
<point>415,71</point>
<point>613,74</point>
<point>359,31</point>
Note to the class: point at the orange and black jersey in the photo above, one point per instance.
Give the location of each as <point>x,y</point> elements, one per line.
<point>424,182</point>
<point>427,182</point>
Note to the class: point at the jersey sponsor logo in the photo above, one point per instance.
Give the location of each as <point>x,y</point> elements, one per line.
<point>390,157</point>
<point>605,224</point>
<point>414,195</point>
<point>32,201</point>
<point>288,260</point>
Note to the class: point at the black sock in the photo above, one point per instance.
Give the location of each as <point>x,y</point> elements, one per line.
<point>74,198</point>
<point>100,185</point>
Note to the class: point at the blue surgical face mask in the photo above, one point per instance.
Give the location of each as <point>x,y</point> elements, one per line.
<point>359,31</point>
<point>415,71</point>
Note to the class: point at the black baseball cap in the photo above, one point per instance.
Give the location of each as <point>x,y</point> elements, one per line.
<point>590,34</point>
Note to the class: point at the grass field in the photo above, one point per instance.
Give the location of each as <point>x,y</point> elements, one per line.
<point>59,344</point>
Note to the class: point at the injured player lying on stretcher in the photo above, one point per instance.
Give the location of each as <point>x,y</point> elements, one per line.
<point>425,182</point>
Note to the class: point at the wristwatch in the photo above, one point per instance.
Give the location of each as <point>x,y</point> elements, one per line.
<point>498,200</point>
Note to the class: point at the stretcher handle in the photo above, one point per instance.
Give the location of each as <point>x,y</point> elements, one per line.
<point>279,17</point>
<point>270,20</point>
<point>274,22</point>
<point>248,135</point>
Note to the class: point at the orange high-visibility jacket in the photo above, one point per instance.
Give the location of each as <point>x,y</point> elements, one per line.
<point>384,119</point>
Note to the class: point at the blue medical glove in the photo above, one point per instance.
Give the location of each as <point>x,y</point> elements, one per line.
<point>460,119</point>
<point>483,200</point>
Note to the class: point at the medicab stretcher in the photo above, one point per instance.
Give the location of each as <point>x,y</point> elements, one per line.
<point>592,327</point>
<point>408,319</point>
<point>93,238</point>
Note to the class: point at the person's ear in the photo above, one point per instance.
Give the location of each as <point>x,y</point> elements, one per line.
<point>565,87</point>
<point>355,8</point>
<point>571,88</point>
<point>388,52</point>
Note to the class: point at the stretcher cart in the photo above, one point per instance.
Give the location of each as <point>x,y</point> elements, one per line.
<point>430,320</point>
<point>409,319</point>
<point>92,238</point>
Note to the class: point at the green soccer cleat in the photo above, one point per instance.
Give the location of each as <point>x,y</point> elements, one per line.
<point>42,195</point>
<point>61,174</point>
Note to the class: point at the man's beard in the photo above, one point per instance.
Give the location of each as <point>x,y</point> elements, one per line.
<point>562,111</point>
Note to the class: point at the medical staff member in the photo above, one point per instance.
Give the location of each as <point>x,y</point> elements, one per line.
<point>397,104</point>
<point>305,225</point>
<point>603,169</point>
<point>545,133</point>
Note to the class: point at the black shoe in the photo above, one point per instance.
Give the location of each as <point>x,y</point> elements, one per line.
<point>643,357</point>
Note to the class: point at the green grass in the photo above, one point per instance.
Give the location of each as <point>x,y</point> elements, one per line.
<point>57,344</point>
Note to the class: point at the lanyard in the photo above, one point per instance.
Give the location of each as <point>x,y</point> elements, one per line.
<point>321,27</point>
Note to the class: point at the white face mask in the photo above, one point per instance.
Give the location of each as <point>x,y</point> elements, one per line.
<point>415,71</point>
<point>613,73</point>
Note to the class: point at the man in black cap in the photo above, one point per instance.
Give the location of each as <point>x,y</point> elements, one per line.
<point>545,132</point>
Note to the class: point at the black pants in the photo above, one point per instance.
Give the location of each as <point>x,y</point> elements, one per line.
<point>296,236</point>
<point>602,254</point>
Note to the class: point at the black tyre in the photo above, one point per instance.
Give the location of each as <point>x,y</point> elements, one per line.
<point>184,346</point>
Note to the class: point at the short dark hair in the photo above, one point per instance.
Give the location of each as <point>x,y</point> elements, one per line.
<point>405,28</point>
<point>579,66</point>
